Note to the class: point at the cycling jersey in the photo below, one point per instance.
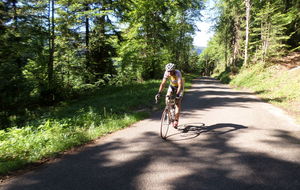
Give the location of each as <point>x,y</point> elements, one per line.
<point>173,79</point>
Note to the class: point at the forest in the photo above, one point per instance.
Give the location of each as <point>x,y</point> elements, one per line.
<point>72,71</point>
<point>251,31</point>
<point>56,50</point>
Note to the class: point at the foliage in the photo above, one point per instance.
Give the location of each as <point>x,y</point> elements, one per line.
<point>59,129</point>
<point>274,31</point>
<point>211,57</point>
<point>55,50</point>
<point>268,33</point>
<point>74,123</point>
<point>157,33</point>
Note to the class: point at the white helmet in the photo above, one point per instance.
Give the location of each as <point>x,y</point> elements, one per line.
<point>170,67</point>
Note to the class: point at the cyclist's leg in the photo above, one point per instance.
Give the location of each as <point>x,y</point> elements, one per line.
<point>178,108</point>
<point>169,92</point>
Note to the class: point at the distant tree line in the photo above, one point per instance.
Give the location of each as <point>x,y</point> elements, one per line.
<point>249,31</point>
<point>52,50</point>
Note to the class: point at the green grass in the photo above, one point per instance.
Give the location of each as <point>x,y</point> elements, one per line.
<point>76,122</point>
<point>273,84</point>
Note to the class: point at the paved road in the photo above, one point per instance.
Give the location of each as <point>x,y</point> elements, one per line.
<point>228,140</point>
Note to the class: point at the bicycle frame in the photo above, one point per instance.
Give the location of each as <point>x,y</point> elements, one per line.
<point>170,105</point>
<point>168,116</point>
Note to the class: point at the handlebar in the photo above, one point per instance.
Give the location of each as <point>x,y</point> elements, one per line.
<point>172,97</point>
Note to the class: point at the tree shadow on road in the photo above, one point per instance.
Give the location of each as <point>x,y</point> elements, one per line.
<point>229,166</point>
<point>210,164</point>
<point>209,94</point>
<point>149,162</point>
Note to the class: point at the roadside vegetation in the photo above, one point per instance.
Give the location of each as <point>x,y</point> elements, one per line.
<point>274,83</point>
<point>256,46</point>
<point>57,50</point>
<point>77,122</point>
<point>73,123</point>
<point>72,71</point>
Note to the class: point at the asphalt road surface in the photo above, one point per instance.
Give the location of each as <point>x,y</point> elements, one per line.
<point>227,139</point>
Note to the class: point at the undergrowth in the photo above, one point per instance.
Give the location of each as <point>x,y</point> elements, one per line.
<point>273,84</point>
<point>76,122</point>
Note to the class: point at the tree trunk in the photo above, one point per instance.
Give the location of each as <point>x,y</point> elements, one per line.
<point>236,44</point>
<point>51,46</point>
<point>247,2</point>
<point>87,37</point>
<point>226,53</point>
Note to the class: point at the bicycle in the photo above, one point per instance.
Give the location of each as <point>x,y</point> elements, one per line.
<point>168,116</point>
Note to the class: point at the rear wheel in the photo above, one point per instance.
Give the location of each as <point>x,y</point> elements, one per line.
<point>165,123</point>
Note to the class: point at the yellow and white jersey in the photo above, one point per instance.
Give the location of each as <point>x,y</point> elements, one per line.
<point>173,78</point>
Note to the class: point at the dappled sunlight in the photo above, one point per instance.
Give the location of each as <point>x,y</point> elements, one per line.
<point>221,146</point>
<point>199,97</point>
<point>280,145</point>
<point>209,161</point>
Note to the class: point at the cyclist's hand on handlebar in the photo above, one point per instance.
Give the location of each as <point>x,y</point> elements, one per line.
<point>177,96</point>
<point>157,96</point>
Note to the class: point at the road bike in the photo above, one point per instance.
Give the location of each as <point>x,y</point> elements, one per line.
<point>168,116</point>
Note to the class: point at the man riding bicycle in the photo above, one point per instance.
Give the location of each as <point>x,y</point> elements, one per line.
<point>176,87</point>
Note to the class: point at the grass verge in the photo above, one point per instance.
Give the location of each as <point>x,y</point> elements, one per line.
<point>76,122</point>
<point>274,84</point>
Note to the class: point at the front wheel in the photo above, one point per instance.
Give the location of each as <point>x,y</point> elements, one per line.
<point>165,123</point>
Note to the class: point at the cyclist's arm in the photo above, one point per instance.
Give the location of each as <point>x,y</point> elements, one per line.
<point>180,83</point>
<point>162,85</point>
<point>180,86</point>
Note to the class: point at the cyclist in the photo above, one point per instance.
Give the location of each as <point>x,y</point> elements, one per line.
<point>176,87</point>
